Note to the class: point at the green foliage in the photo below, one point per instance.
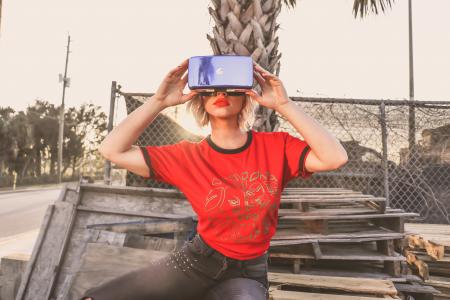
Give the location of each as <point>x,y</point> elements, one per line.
<point>30,140</point>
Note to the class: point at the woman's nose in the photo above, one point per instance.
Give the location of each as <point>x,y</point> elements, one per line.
<point>224,94</point>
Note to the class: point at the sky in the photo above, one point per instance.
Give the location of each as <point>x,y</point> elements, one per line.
<point>326,52</point>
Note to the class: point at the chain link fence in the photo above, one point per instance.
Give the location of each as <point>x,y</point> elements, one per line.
<point>397,149</point>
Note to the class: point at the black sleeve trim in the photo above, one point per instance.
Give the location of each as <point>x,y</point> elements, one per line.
<point>147,160</point>
<point>301,163</point>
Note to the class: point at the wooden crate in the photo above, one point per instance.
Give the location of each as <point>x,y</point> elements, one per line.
<point>101,214</point>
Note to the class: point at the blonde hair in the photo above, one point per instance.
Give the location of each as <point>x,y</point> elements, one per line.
<point>245,117</point>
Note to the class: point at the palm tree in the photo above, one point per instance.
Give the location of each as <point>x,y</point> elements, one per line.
<point>248,27</point>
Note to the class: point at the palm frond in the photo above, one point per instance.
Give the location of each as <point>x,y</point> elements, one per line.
<point>361,7</point>
<point>290,3</point>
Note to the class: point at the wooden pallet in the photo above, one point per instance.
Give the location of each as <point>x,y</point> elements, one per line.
<point>338,225</point>
<point>319,199</point>
<point>338,230</point>
<point>377,251</point>
<point>293,286</point>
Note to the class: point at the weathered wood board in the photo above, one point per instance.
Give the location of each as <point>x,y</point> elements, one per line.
<point>348,284</point>
<point>101,263</point>
<point>290,295</point>
<point>65,234</point>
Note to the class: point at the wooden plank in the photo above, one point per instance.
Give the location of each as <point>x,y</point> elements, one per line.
<point>150,242</point>
<point>132,213</point>
<point>276,243</point>
<point>402,287</point>
<point>49,220</point>
<point>341,253</point>
<point>439,234</point>
<point>47,255</point>
<point>289,295</point>
<point>316,250</point>
<point>356,273</point>
<point>299,235</point>
<point>12,267</point>
<point>348,284</point>
<point>387,248</point>
<point>107,237</point>
<point>147,226</point>
<point>330,199</point>
<point>70,221</point>
<point>101,263</point>
<point>325,211</point>
<point>362,257</point>
<point>131,190</point>
<point>35,253</point>
<point>342,217</point>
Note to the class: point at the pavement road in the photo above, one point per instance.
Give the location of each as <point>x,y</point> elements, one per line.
<point>21,215</point>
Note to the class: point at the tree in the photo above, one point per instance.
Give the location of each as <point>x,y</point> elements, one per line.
<point>86,129</point>
<point>6,151</point>
<point>248,27</point>
<point>30,139</point>
<point>43,118</point>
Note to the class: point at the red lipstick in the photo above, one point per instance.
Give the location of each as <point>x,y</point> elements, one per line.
<point>221,102</point>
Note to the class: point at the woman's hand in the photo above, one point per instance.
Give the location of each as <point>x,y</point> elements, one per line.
<point>170,91</point>
<point>273,92</point>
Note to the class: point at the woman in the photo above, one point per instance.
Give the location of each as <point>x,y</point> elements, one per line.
<point>233,180</point>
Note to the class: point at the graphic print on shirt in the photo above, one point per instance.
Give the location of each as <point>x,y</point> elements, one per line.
<point>245,211</point>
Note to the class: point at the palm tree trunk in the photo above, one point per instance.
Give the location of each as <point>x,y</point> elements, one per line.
<point>248,27</point>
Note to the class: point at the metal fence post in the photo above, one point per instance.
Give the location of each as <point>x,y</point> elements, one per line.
<point>385,154</point>
<point>107,175</point>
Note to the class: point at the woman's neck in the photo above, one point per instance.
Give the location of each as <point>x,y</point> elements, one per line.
<point>229,138</point>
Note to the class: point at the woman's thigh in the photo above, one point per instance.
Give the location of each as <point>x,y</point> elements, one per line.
<point>238,289</point>
<point>171,277</point>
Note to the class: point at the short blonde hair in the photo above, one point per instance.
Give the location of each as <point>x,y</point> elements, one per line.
<point>245,117</point>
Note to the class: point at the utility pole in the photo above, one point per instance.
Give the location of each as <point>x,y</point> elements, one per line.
<point>112,103</point>
<point>412,112</point>
<point>66,82</point>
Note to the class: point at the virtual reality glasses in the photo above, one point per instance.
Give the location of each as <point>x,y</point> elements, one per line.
<point>228,73</point>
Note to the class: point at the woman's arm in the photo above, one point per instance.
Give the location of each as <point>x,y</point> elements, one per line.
<point>118,145</point>
<point>327,152</point>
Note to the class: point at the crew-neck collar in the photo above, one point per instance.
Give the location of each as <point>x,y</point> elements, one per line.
<point>231,151</point>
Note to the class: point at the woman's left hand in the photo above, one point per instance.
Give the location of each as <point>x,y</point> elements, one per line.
<point>273,92</point>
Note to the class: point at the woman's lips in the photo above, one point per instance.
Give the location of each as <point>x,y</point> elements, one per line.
<point>221,102</point>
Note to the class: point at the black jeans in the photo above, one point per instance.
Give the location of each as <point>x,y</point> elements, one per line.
<point>196,271</point>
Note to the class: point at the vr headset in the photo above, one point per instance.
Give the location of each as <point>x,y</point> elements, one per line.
<point>220,72</point>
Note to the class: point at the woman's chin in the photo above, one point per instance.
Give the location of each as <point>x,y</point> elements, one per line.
<point>223,114</point>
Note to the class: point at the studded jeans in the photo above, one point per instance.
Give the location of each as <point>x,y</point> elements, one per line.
<point>196,271</point>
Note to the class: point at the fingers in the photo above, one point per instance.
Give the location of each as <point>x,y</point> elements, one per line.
<point>254,95</point>
<point>264,73</point>
<point>189,96</point>
<point>259,79</point>
<point>179,70</point>
<point>184,80</point>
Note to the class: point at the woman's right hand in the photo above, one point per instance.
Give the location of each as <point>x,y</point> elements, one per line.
<point>170,91</point>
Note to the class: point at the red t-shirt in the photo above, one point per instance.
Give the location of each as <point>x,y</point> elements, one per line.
<point>235,192</point>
